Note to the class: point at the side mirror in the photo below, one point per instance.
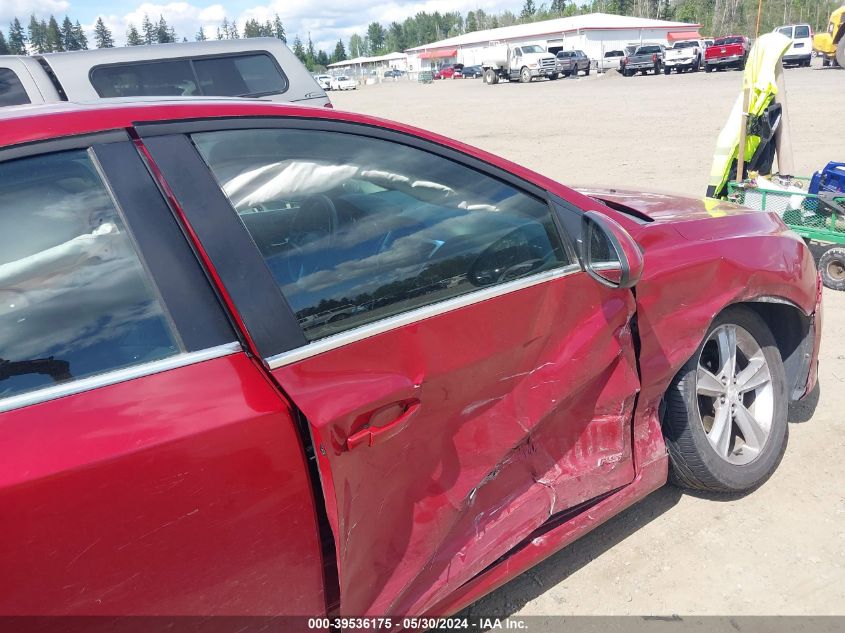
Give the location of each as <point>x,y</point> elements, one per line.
<point>611,256</point>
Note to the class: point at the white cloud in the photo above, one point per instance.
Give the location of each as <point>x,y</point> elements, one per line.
<point>327,22</point>
<point>22,9</point>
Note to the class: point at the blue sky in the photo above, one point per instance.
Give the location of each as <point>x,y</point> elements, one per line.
<point>326,20</point>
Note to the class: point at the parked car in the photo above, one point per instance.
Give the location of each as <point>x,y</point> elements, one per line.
<point>394,73</point>
<point>448,72</point>
<point>609,61</point>
<point>324,81</point>
<point>187,427</point>
<point>801,51</point>
<point>684,56</point>
<point>645,58</point>
<point>572,62</point>
<point>473,72</point>
<point>727,52</point>
<point>343,82</point>
<point>263,68</point>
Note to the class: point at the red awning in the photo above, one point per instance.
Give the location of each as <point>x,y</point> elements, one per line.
<point>683,35</point>
<point>441,54</point>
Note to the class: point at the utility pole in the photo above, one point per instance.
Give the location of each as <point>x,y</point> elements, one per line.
<point>759,13</point>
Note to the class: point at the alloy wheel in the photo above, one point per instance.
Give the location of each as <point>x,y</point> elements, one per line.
<point>735,394</point>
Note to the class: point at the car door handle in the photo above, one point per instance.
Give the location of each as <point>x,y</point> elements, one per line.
<point>372,433</point>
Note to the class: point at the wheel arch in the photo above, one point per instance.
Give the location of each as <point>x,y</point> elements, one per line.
<point>793,332</point>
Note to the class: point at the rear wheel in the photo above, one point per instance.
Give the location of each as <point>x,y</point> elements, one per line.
<point>524,75</point>
<point>489,77</point>
<point>667,70</point>
<point>832,268</point>
<point>587,72</point>
<point>725,417</point>
<point>708,68</point>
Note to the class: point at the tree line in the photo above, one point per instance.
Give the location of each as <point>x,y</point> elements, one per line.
<point>717,17</point>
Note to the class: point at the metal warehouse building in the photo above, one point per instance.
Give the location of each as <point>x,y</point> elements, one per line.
<point>593,33</point>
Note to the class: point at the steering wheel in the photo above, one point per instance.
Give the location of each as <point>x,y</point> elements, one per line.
<point>313,231</point>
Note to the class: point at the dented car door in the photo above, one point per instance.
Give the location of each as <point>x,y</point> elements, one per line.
<point>462,379</point>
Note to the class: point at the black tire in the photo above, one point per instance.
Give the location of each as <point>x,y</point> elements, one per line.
<point>832,268</point>
<point>840,53</point>
<point>696,66</point>
<point>587,72</point>
<point>694,462</point>
<point>524,75</point>
<point>708,68</point>
<point>667,70</point>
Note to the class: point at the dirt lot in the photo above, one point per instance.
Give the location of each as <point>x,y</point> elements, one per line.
<point>780,550</point>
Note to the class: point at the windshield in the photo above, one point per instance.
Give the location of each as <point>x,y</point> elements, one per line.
<point>728,40</point>
<point>532,49</point>
<point>689,44</point>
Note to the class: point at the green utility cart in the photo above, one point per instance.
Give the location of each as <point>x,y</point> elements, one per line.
<point>815,218</point>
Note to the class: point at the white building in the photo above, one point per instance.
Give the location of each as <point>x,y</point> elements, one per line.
<point>593,33</point>
<point>368,66</point>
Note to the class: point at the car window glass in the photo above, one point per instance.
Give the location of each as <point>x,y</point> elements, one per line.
<point>356,229</point>
<point>12,91</point>
<point>148,79</point>
<point>239,75</point>
<point>75,300</point>
<point>786,30</point>
<point>802,32</point>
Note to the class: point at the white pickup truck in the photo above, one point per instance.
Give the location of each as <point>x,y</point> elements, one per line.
<point>683,56</point>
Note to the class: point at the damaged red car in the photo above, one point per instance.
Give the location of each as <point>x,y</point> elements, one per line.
<point>262,359</point>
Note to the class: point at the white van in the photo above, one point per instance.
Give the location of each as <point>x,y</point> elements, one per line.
<point>262,68</point>
<point>801,51</point>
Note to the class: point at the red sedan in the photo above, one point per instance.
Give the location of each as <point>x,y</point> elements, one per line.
<point>263,359</point>
<point>449,72</point>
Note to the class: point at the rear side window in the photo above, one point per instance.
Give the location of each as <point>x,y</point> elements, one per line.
<point>786,30</point>
<point>75,300</point>
<point>251,74</point>
<point>11,89</point>
<point>357,229</point>
<point>802,31</point>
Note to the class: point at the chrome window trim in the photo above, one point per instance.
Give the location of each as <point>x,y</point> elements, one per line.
<point>73,387</point>
<point>418,314</point>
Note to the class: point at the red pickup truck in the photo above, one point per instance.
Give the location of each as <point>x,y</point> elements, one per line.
<point>261,359</point>
<point>727,52</point>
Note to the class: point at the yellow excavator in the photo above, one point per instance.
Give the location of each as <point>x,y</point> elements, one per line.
<point>830,45</point>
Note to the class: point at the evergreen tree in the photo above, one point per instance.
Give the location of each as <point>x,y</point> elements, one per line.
<point>267,29</point>
<point>164,34</point>
<point>223,31</point>
<point>54,36</point>
<point>356,46</point>
<point>322,59</point>
<point>376,37</point>
<point>102,36</point>
<point>81,38</point>
<point>471,24</point>
<point>233,31</point>
<point>17,38</point>
<point>133,37</point>
<point>252,29</point>
<point>278,29</point>
<point>528,11</point>
<point>200,36</point>
<point>299,49</point>
<point>4,47</point>
<point>37,35</point>
<point>148,30</point>
<point>68,35</point>
<point>310,54</point>
<point>339,52</point>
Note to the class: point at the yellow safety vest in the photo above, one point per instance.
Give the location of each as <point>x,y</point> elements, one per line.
<point>759,76</point>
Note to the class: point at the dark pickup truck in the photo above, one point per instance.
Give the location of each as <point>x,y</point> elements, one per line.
<point>727,52</point>
<point>645,58</point>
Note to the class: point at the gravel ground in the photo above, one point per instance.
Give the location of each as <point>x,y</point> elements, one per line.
<point>779,550</point>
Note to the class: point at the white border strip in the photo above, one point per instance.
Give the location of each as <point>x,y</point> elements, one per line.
<point>413,316</point>
<point>119,375</point>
